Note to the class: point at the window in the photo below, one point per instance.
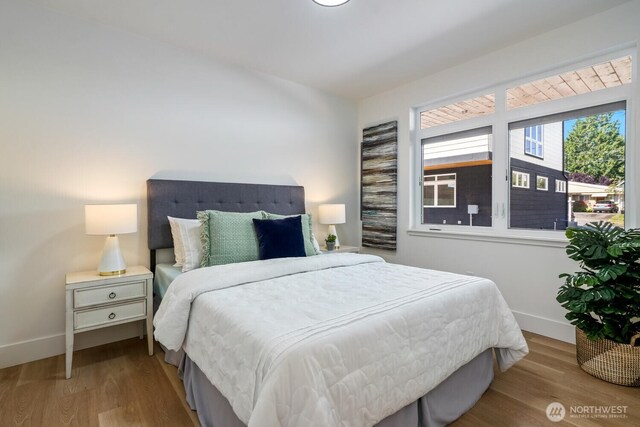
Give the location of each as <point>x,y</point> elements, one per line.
<point>467,109</point>
<point>586,145</point>
<point>542,183</point>
<point>440,191</point>
<point>540,145</point>
<point>519,179</point>
<point>608,74</point>
<point>457,169</point>
<point>533,141</point>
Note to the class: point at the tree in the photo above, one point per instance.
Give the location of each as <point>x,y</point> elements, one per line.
<point>588,179</point>
<point>595,147</point>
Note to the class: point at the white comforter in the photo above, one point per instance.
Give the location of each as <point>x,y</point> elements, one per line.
<point>330,340</point>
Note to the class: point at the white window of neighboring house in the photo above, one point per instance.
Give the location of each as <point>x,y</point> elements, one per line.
<point>542,183</point>
<point>440,191</point>
<point>519,179</point>
<point>561,186</point>
<point>533,141</point>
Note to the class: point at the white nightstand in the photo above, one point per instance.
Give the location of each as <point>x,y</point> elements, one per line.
<point>95,302</point>
<point>342,248</point>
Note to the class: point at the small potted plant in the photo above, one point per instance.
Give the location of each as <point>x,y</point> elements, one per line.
<point>603,300</point>
<point>330,241</point>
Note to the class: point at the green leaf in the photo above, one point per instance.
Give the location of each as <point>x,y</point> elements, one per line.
<point>611,272</point>
<point>615,250</point>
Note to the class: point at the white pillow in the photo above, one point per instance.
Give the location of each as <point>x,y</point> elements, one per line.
<point>316,246</point>
<point>186,242</point>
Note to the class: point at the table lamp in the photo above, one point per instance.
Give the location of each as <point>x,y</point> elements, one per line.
<point>331,215</point>
<point>111,220</point>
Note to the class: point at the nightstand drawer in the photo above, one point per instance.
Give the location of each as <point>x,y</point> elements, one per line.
<point>111,314</point>
<point>105,294</point>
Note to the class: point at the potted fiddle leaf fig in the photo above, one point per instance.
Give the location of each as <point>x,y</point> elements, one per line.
<point>603,300</point>
<point>330,241</point>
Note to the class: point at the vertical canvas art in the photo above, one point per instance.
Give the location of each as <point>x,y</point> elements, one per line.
<point>379,186</point>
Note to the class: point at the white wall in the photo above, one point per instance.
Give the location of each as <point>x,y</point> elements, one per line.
<point>88,113</point>
<point>527,275</point>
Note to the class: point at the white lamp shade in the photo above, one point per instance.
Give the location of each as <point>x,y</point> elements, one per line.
<point>111,219</point>
<point>331,214</point>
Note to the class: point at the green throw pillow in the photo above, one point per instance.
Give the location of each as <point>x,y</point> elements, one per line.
<point>307,230</point>
<point>228,237</point>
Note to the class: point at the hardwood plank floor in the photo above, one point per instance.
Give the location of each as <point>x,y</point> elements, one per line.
<point>550,373</point>
<point>118,384</point>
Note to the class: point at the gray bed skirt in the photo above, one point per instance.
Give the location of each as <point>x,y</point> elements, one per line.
<point>441,406</point>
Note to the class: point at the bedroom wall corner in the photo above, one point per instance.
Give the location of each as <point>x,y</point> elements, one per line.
<point>88,113</point>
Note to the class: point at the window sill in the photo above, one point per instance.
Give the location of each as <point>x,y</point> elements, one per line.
<point>515,237</point>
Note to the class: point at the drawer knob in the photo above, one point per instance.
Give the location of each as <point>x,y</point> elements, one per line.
<point>112,316</point>
<point>112,295</point>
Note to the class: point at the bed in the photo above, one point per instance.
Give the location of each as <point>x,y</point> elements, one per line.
<point>340,339</point>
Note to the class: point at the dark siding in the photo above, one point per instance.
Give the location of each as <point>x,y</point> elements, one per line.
<point>473,187</point>
<point>536,209</point>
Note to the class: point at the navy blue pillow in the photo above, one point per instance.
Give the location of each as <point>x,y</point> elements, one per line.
<point>279,238</point>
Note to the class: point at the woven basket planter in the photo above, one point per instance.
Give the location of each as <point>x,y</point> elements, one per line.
<point>608,360</point>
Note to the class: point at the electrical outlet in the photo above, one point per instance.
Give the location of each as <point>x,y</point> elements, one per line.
<point>459,222</point>
<point>444,221</point>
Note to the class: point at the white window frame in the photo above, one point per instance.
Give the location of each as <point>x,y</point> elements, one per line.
<point>520,179</point>
<point>435,184</point>
<point>546,183</point>
<point>499,230</point>
<point>561,186</point>
<point>535,144</point>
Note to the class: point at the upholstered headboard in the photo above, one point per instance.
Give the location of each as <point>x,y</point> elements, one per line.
<point>182,199</point>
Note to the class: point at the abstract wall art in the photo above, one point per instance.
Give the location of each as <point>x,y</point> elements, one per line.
<point>379,186</point>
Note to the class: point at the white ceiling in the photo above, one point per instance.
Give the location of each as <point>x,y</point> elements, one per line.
<point>356,50</point>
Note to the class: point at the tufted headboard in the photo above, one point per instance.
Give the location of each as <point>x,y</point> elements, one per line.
<point>181,199</point>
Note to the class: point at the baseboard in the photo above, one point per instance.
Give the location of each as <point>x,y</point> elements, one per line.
<point>54,345</point>
<point>549,328</point>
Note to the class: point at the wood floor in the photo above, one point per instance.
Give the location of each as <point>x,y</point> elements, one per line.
<point>120,385</point>
<point>549,373</point>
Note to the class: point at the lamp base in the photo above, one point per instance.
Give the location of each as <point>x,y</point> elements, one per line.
<point>112,261</point>
<point>332,230</point>
<point>112,273</point>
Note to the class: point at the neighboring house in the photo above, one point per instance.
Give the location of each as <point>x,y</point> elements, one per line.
<point>457,174</point>
<point>593,193</point>
<point>538,193</point>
